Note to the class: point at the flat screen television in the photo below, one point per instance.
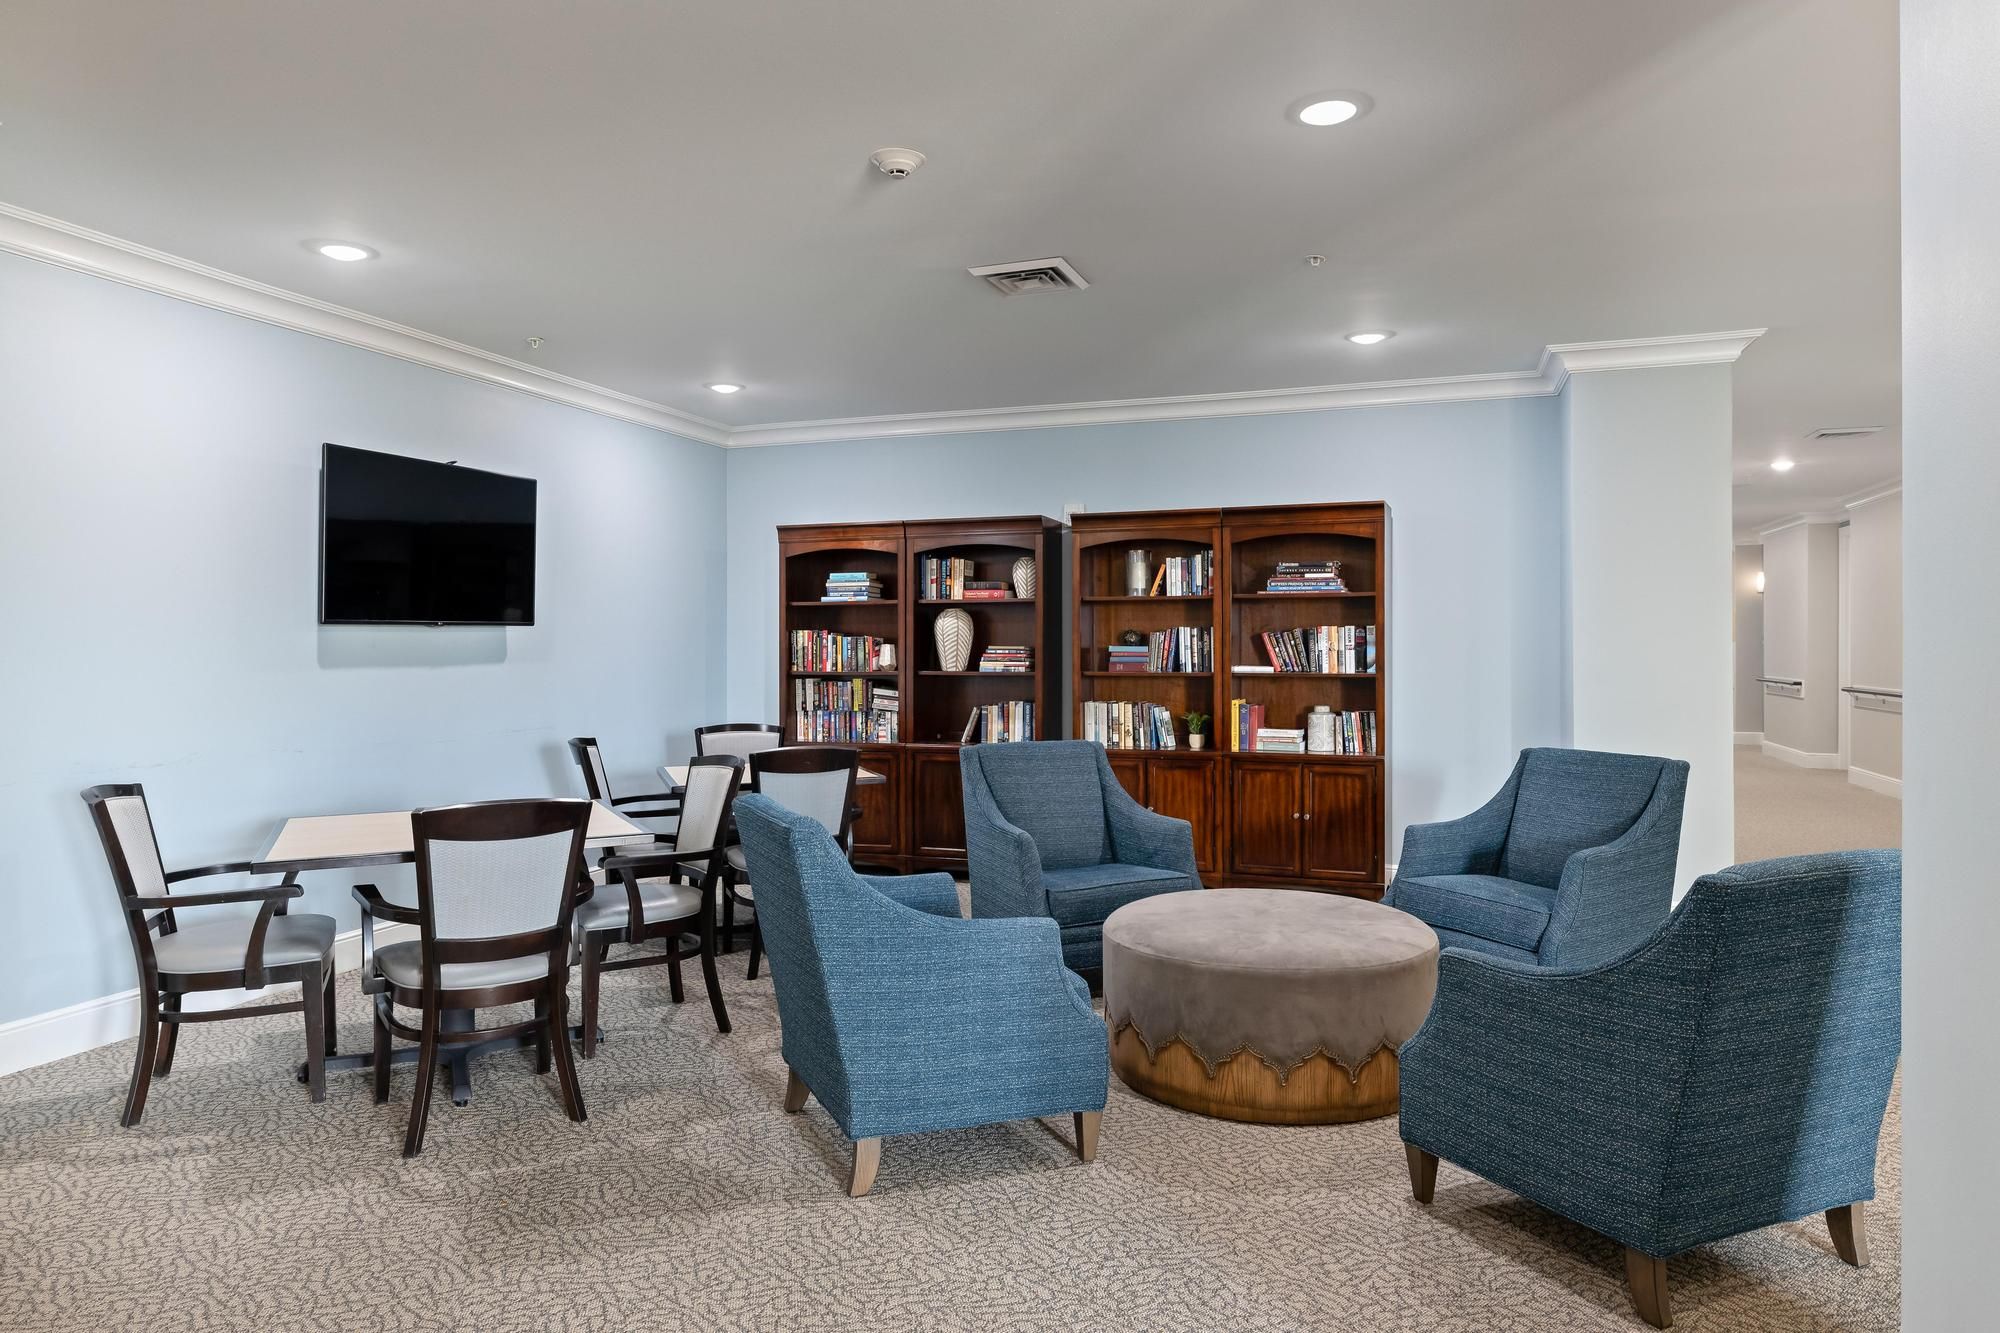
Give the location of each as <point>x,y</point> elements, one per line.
<point>404,541</point>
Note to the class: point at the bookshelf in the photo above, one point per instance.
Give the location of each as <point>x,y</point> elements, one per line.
<point>1310,820</point>
<point>916,820</point>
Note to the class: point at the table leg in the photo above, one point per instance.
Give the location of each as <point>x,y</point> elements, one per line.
<point>459,1058</point>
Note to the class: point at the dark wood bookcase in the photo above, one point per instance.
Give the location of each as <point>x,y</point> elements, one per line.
<point>1300,820</point>
<point>916,820</point>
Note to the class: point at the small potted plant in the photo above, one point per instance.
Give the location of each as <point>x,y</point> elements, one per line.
<point>1197,725</point>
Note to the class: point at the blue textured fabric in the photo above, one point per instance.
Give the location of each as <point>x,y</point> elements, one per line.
<point>901,1021</point>
<point>1452,939</point>
<point>1485,907</point>
<point>1021,792</point>
<point>1614,820</point>
<point>1728,1073</point>
<point>935,892</point>
<point>1086,895</point>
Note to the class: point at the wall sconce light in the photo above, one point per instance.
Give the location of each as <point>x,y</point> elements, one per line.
<point>1760,583</point>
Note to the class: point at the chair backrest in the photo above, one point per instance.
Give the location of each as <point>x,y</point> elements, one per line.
<point>590,759</point>
<point>1570,800</point>
<point>816,781</point>
<point>1798,965</point>
<point>741,739</point>
<point>706,801</point>
<point>125,827</point>
<point>498,879</point>
<point>1051,790</point>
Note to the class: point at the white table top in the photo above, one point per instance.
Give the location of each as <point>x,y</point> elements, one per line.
<point>387,836</point>
<point>676,775</point>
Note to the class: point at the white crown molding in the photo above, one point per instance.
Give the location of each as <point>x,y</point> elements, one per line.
<point>1870,496</point>
<point>1561,360</point>
<point>53,241</point>
<point>1798,520</point>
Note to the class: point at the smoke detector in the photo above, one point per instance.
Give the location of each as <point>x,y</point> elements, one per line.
<point>897,163</point>
<point>1031,275</point>
<point>1844,432</point>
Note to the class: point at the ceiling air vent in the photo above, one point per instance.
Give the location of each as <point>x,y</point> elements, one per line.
<point>1844,432</point>
<point>1032,275</point>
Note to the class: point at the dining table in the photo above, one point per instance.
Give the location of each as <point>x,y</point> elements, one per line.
<point>306,843</point>
<point>676,776</point>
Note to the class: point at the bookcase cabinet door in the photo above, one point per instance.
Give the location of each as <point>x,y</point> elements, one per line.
<point>1131,774</point>
<point>878,830</point>
<point>1266,822</point>
<point>937,804</point>
<point>1186,789</point>
<point>1343,812</point>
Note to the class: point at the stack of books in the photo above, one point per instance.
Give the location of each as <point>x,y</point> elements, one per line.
<point>1279,740</point>
<point>1342,649</point>
<point>1354,733</point>
<point>1128,658</point>
<point>1305,576</point>
<point>993,723</point>
<point>885,715</point>
<point>849,711</point>
<point>979,590</point>
<point>1002,657</point>
<point>852,586</point>
<point>950,578</point>
<point>1119,724</point>
<point>1185,575</point>
<point>823,650</point>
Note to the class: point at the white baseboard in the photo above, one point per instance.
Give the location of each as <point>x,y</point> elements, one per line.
<point>40,1038</point>
<point>1802,758</point>
<point>1749,738</point>
<point>1876,782</point>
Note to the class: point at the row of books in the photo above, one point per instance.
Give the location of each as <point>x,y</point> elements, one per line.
<point>1354,733</point>
<point>1348,649</point>
<point>1185,575</point>
<point>1183,648</point>
<point>1122,724</point>
<point>879,724</point>
<point>951,578</point>
<point>824,650</point>
<point>852,585</point>
<point>1351,732</point>
<point>1006,659</point>
<point>839,696</point>
<point>1305,576</point>
<point>989,724</point>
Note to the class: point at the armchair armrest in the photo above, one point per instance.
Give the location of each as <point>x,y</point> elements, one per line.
<point>373,905</point>
<point>671,796</point>
<point>269,894</point>
<point>935,893</point>
<point>1467,846</point>
<point>1612,897</point>
<point>200,872</point>
<point>1142,837</point>
<point>270,900</point>
<point>1004,864</point>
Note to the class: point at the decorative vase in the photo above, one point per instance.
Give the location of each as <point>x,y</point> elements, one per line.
<point>1024,577</point>
<point>1197,740</point>
<point>953,629</point>
<point>1138,572</point>
<point>1321,729</point>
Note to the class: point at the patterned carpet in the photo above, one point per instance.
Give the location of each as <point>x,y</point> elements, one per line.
<point>689,1201</point>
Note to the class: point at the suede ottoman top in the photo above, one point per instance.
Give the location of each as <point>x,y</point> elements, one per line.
<point>1282,973</point>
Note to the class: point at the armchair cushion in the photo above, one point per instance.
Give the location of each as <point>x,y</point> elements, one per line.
<point>1051,791</point>
<point>1570,800</point>
<point>1486,907</point>
<point>661,900</point>
<point>218,946</point>
<point>1086,895</point>
<point>403,964</point>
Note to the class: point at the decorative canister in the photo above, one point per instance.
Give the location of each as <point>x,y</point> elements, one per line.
<point>1322,728</point>
<point>1138,572</point>
<point>954,638</point>
<point>1024,576</point>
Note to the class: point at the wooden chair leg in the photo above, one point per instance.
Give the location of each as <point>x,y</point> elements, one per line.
<point>420,1096</point>
<point>676,988</point>
<point>591,956</point>
<point>1423,1172</point>
<point>867,1157</point>
<point>1646,1275</point>
<point>163,1064</point>
<point>542,1065</point>
<point>1087,1123</point>
<point>796,1092</point>
<point>558,1024</point>
<point>332,1015</point>
<point>313,991</point>
<point>756,946</point>
<point>708,975</point>
<point>142,1061</point>
<point>1849,1228</point>
<point>379,1065</point>
<point>728,918</point>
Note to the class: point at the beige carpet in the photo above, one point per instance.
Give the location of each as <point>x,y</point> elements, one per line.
<point>690,1201</point>
<point>1783,810</point>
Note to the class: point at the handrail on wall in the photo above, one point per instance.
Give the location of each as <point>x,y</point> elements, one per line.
<point>1779,680</point>
<point>1857,689</point>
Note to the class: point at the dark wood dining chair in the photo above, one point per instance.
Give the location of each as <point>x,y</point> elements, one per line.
<point>645,895</point>
<point>741,739</point>
<point>816,781</point>
<point>273,948</point>
<point>658,805</point>
<point>497,884</point>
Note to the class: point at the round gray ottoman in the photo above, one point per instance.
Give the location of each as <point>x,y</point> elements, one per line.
<point>1275,1005</point>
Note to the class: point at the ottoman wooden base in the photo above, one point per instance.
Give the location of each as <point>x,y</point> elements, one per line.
<point>1318,1092</point>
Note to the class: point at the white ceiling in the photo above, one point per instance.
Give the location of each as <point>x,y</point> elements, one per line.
<point>674,193</point>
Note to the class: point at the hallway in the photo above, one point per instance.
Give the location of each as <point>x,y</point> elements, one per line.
<point>1782,810</point>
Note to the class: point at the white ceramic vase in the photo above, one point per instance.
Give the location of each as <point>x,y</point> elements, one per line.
<point>1024,576</point>
<point>953,629</point>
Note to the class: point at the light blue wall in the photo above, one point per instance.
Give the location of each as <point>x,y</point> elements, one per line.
<point>158,510</point>
<point>1475,491</point>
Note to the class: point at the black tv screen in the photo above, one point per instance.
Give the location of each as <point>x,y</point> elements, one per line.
<point>404,541</point>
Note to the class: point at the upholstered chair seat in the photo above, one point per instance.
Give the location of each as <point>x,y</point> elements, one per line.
<point>403,965</point>
<point>1088,895</point>
<point>659,899</point>
<point>218,946</point>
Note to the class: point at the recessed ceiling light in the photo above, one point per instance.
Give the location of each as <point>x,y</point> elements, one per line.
<point>1371,337</point>
<point>1322,109</point>
<point>1782,465</point>
<point>727,388</point>
<point>346,252</point>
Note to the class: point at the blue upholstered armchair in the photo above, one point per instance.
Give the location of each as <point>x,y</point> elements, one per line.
<point>1050,832</point>
<point>1729,1073</point>
<point>1572,862</point>
<point>901,1016</point>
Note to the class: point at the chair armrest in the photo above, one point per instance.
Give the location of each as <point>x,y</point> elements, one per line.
<point>1611,897</point>
<point>373,904</point>
<point>1142,837</point>
<point>268,893</point>
<point>1470,845</point>
<point>973,970</point>
<point>935,893</point>
<point>1002,860</point>
<point>200,872</point>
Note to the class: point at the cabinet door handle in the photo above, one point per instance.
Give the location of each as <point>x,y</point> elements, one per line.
<point>1295,814</point>
<point>1309,814</point>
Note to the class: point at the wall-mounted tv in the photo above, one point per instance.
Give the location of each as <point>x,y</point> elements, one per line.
<point>404,541</point>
